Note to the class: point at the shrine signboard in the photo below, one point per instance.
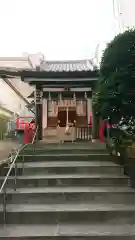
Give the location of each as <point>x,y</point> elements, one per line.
<point>38,96</point>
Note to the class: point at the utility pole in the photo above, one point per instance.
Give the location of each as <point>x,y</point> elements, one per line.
<point>117,16</point>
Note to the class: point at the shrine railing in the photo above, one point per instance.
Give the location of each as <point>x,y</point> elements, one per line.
<point>3,189</point>
<point>83,133</point>
<point>12,163</point>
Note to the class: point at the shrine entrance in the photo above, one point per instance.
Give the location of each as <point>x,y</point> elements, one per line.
<point>62,117</point>
<point>71,115</point>
<point>66,115</point>
<point>61,84</point>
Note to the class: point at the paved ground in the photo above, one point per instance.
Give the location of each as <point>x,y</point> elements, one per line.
<point>6,147</point>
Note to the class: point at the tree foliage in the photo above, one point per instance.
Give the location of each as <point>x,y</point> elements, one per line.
<point>115,95</point>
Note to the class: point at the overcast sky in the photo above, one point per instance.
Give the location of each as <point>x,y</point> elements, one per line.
<point>61,29</point>
<point>127,15</point>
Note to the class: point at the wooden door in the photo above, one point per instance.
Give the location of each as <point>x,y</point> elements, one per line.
<point>71,116</point>
<point>62,118</point>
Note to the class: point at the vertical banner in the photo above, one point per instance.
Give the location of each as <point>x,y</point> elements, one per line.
<point>39,104</point>
<point>52,108</point>
<point>55,108</point>
<point>81,108</point>
<point>84,110</point>
<point>38,96</point>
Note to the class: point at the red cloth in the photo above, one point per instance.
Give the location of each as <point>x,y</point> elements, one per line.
<point>28,135</point>
<point>31,134</point>
<point>101,130</point>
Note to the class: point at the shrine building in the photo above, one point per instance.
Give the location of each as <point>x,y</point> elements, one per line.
<point>63,93</point>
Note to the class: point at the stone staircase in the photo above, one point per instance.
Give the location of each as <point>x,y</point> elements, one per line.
<point>68,192</point>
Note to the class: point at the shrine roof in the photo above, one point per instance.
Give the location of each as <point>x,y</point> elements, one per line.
<point>67,66</point>
<point>73,73</point>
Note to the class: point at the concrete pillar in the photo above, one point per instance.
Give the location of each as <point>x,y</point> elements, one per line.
<point>89,108</point>
<point>67,117</point>
<point>44,117</point>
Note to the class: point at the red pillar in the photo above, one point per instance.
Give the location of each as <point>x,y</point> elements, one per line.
<point>101,130</point>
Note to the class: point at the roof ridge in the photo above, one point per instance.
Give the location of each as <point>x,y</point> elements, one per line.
<point>67,65</point>
<point>13,58</point>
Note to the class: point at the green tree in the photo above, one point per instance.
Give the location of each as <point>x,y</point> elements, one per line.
<point>115,95</point>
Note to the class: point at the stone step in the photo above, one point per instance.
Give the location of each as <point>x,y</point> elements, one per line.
<point>86,145</point>
<point>31,168</point>
<point>68,179</point>
<point>63,157</point>
<point>68,232</point>
<point>57,195</point>
<point>57,148</point>
<point>70,164</point>
<point>50,134</point>
<point>51,139</point>
<point>73,150</point>
<point>68,213</point>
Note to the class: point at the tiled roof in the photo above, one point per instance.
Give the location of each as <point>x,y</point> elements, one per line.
<point>67,66</point>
